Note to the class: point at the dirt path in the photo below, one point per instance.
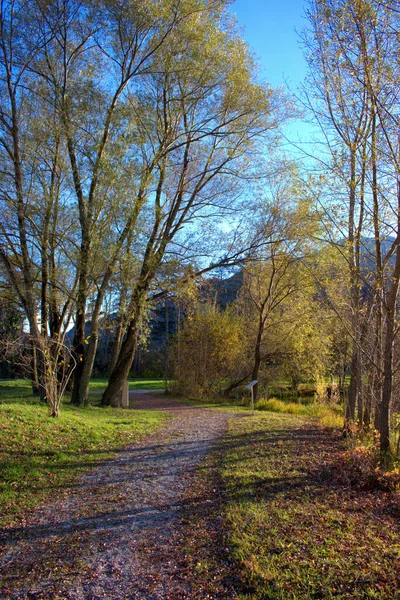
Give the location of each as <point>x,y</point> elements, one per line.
<point>121,533</point>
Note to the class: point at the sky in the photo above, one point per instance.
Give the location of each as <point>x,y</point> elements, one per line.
<point>269,29</point>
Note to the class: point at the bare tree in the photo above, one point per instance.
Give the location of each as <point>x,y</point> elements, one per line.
<point>352,49</point>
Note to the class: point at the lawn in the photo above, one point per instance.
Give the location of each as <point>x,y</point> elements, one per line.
<point>41,456</point>
<point>292,530</point>
<point>134,384</point>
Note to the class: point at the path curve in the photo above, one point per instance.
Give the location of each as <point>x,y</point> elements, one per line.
<point>112,537</point>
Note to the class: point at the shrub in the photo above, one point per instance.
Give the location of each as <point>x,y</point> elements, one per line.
<point>207,350</point>
<point>272,405</point>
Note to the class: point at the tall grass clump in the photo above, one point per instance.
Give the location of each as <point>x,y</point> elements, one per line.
<point>327,415</point>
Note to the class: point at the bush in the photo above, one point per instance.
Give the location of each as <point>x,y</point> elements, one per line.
<point>207,350</point>
<point>275,405</point>
<point>306,389</point>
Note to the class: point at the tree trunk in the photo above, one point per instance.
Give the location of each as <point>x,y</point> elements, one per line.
<point>87,368</point>
<point>390,332</point>
<point>116,347</point>
<point>384,428</point>
<point>79,337</point>
<point>354,264</point>
<point>353,387</point>
<point>78,353</point>
<point>88,362</point>
<point>235,384</point>
<point>35,375</point>
<point>113,393</point>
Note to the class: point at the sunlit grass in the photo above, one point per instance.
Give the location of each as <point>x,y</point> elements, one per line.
<point>327,415</point>
<point>134,384</point>
<point>290,533</point>
<point>98,385</point>
<point>42,456</point>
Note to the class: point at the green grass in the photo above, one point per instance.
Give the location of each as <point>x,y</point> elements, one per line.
<point>146,384</point>
<point>98,385</point>
<point>134,384</point>
<point>42,457</point>
<point>292,534</point>
<point>215,404</point>
<point>327,415</point>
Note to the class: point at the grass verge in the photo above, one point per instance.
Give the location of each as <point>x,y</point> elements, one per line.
<point>293,533</point>
<point>43,457</point>
<point>328,415</point>
<point>134,384</point>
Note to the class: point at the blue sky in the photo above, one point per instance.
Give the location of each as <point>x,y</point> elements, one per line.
<point>269,29</point>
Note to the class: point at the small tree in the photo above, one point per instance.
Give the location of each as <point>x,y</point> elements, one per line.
<point>210,346</point>
<point>56,360</point>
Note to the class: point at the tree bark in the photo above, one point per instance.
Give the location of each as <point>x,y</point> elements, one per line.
<point>390,332</point>
<point>113,393</point>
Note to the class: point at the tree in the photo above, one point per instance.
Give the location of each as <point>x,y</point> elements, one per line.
<point>352,48</point>
<point>210,346</point>
<point>30,170</point>
<point>122,125</point>
<point>275,281</point>
<point>217,116</point>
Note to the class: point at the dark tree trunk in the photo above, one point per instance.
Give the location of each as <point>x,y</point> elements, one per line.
<point>116,346</point>
<point>113,393</point>
<point>354,388</point>
<point>79,337</point>
<point>35,375</point>
<point>235,385</point>
<point>390,330</point>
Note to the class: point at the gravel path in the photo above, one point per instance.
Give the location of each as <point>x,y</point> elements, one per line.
<point>115,537</point>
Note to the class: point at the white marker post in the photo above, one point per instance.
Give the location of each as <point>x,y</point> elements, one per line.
<point>125,395</point>
<point>250,386</point>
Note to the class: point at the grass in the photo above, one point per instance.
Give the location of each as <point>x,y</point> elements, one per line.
<point>328,415</point>
<point>41,456</point>
<point>291,529</point>
<point>215,404</point>
<point>292,532</point>
<point>98,385</point>
<point>134,384</point>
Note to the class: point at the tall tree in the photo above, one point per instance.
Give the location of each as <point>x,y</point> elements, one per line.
<point>352,48</point>
<point>213,115</point>
<point>122,125</point>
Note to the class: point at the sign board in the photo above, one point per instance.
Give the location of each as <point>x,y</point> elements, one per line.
<point>251,384</point>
